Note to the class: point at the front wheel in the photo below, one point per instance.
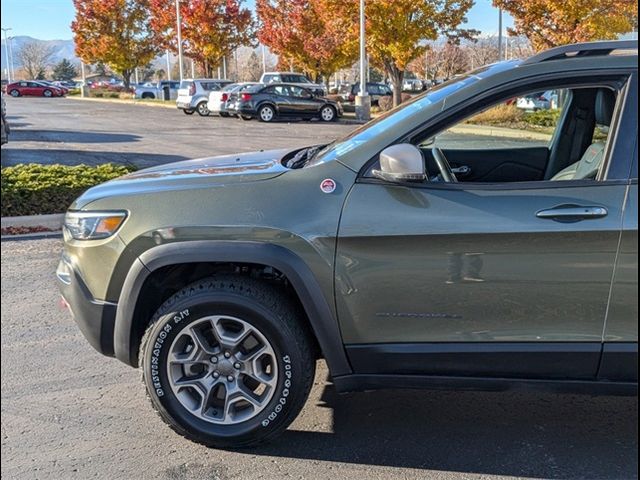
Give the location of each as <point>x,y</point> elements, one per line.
<point>327,114</point>
<point>47,93</point>
<point>14,93</point>
<point>227,362</point>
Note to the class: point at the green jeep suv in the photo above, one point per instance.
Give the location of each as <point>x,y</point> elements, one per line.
<point>458,241</point>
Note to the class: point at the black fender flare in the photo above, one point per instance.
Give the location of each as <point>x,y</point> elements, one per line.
<point>323,322</point>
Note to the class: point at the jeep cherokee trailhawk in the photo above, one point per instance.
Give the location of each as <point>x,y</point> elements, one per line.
<point>455,242</point>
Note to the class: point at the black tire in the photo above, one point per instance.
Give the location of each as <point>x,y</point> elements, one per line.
<point>202,109</point>
<point>224,115</point>
<point>148,95</point>
<point>14,93</point>
<point>47,93</point>
<point>267,113</point>
<point>188,112</point>
<point>324,114</point>
<point>246,118</point>
<point>267,310</point>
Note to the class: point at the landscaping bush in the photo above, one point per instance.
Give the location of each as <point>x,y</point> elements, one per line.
<point>35,189</point>
<point>502,114</point>
<point>386,103</point>
<point>543,118</point>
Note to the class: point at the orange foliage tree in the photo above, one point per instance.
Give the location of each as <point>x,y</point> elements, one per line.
<point>115,33</point>
<point>549,23</point>
<point>211,29</point>
<point>305,34</point>
<point>397,30</point>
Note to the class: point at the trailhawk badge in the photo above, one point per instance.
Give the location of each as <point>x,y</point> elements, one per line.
<point>328,185</point>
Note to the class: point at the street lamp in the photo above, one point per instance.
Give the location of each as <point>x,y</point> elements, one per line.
<point>6,53</point>
<point>363,101</point>
<point>179,31</point>
<point>13,73</point>
<point>500,35</point>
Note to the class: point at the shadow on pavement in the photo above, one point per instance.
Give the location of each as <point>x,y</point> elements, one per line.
<point>524,435</point>
<point>62,136</point>
<point>15,156</point>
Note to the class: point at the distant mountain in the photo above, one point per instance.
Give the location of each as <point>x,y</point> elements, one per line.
<point>61,49</point>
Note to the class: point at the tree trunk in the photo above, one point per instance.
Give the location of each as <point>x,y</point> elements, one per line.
<point>397,79</point>
<point>126,78</point>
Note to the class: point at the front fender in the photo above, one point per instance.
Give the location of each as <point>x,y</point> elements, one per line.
<point>323,322</point>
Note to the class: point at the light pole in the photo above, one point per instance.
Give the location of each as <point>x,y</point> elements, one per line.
<point>500,35</point>
<point>179,31</point>
<point>6,53</point>
<point>168,66</point>
<point>264,59</point>
<point>363,101</point>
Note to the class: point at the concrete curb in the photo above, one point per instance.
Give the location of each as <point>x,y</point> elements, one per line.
<point>53,222</point>
<point>124,101</point>
<point>30,236</point>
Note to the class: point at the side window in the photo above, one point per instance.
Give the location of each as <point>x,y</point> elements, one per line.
<point>281,90</point>
<point>551,135</point>
<point>524,121</point>
<point>298,92</point>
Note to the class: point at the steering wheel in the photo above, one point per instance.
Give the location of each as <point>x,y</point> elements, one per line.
<point>443,165</point>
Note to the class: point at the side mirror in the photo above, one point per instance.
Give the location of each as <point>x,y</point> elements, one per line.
<point>401,163</point>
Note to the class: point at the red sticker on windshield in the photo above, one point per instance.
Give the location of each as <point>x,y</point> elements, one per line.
<point>328,185</point>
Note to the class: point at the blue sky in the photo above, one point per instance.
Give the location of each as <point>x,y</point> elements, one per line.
<point>50,19</point>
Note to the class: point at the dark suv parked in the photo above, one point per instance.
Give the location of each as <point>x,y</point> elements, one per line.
<point>430,248</point>
<point>270,102</point>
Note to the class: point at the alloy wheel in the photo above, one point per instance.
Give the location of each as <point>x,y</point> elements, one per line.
<point>327,114</point>
<point>222,370</point>
<point>266,114</point>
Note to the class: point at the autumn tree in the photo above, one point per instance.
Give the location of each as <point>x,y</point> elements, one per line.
<point>211,29</point>
<point>305,34</point>
<point>35,57</point>
<point>114,32</point>
<point>397,30</point>
<point>549,23</point>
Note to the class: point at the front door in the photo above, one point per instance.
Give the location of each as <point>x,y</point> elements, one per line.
<point>496,279</point>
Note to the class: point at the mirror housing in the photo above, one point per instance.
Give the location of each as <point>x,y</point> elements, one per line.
<point>401,163</point>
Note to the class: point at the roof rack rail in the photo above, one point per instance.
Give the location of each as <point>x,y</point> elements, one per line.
<point>582,50</point>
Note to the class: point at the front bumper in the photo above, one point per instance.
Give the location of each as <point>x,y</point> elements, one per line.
<point>95,318</point>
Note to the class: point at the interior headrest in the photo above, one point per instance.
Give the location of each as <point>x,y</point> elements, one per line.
<point>605,105</point>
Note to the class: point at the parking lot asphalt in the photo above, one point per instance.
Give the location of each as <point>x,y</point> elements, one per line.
<point>73,131</point>
<point>68,412</point>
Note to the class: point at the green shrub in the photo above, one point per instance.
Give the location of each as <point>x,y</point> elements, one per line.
<point>35,189</point>
<point>543,118</point>
<point>501,114</point>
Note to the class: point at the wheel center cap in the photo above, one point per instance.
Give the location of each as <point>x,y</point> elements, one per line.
<point>225,367</point>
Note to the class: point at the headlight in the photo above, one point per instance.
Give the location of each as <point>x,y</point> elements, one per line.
<point>93,225</point>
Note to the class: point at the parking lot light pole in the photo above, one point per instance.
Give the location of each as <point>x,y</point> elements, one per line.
<point>363,101</point>
<point>6,53</point>
<point>13,73</point>
<point>168,66</point>
<point>179,32</point>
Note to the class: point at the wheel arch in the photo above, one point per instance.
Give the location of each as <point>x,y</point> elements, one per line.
<point>321,319</point>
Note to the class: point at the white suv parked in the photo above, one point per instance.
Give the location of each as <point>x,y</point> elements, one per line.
<point>193,94</point>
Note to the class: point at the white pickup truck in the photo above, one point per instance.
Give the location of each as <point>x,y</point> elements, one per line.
<point>156,90</point>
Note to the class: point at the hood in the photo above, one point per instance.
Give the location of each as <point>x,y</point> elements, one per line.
<point>188,174</point>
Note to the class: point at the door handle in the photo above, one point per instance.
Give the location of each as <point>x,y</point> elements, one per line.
<point>462,170</point>
<point>572,213</point>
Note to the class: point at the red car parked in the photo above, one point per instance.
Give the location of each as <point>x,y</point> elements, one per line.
<point>33,88</point>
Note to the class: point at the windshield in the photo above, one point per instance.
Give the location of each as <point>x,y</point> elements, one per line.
<point>391,119</point>
<point>295,79</point>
